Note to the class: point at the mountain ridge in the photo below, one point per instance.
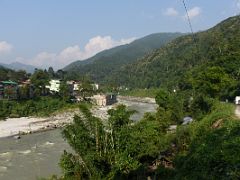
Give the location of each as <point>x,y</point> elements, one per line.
<point>217,46</point>
<point>19,66</point>
<point>105,62</point>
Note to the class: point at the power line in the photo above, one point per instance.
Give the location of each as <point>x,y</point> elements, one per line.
<point>189,21</point>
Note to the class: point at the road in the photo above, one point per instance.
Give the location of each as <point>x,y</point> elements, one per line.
<point>237,111</point>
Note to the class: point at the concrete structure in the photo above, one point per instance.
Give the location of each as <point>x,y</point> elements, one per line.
<point>105,100</point>
<point>237,100</point>
<point>95,87</point>
<point>74,87</point>
<point>54,85</point>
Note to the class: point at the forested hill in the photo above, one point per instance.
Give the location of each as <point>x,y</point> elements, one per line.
<point>9,74</point>
<point>104,63</point>
<point>19,66</point>
<point>184,60</point>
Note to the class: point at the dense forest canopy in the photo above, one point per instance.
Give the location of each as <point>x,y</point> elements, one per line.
<point>188,60</point>
<point>209,58</point>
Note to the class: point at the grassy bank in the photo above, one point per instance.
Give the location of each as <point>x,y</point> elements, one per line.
<point>43,106</point>
<point>209,148</point>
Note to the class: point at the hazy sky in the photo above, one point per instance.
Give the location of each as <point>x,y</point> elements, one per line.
<point>57,32</point>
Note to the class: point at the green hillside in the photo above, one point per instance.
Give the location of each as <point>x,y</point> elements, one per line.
<point>102,65</point>
<point>184,62</point>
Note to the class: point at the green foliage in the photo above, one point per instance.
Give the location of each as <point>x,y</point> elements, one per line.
<point>103,65</point>
<point>86,136</point>
<point>85,88</point>
<point>164,99</point>
<point>212,81</point>
<point>119,117</point>
<point>208,148</point>
<point>64,91</point>
<point>117,149</point>
<point>40,79</point>
<point>210,64</point>
<point>121,149</point>
<point>7,74</point>
<point>200,105</point>
<point>213,149</point>
<point>171,106</point>
<point>38,107</point>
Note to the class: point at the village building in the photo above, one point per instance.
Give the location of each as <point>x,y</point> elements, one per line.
<point>104,100</point>
<point>74,87</point>
<point>8,90</point>
<point>54,85</point>
<point>237,100</point>
<point>95,86</point>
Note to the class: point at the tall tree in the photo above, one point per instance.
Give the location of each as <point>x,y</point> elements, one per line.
<point>51,72</point>
<point>64,91</point>
<point>40,79</point>
<point>85,89</point>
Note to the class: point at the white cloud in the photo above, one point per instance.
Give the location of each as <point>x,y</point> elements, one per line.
<point>73,53</point>
<point>194,12</point>
<point>5,47</point>
<point>43,59</point>
<point>171,12</point>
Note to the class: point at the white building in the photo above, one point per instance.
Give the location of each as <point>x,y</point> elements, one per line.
<point>54,85</point>
<point>76,86</point>
<point>237,100</point>
<point>95,86</point>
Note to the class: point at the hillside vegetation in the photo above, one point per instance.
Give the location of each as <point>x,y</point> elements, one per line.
<point>163,145</point>
<point>121,149</point>
<point>211,59</point>
<point>102,65</point>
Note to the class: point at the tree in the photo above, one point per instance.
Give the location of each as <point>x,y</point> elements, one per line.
<point>24,92</point>
<point>60,74</point>
<point>85,89</point>
<point>163,99</point>
<point>51,72</point>
<point>170,107</point>
<point>212,81</point>
<point>40,79</point>
<point>64,91</point>
<point>97,146</point>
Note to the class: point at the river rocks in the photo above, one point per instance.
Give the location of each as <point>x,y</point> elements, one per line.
<point>137,99</point>
<point>28,125</point>
<point>17,137</point>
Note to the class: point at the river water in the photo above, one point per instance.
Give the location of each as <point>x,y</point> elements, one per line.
<point>37,155</point>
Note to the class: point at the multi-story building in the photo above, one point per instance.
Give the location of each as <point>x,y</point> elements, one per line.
<point>8,90</point>
<point>54,85</point>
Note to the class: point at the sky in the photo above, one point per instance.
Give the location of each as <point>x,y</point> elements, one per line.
<point>57,32</point>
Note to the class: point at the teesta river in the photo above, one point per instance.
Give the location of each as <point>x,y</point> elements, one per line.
<point>37,155</point>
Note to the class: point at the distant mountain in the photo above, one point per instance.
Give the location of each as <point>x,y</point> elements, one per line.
<point>19,66</point>
<point>102,65</point>
<point>217,49</point>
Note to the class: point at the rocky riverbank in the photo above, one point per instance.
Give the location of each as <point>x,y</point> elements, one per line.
<point>27,125</point>
<point>137,99</point>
